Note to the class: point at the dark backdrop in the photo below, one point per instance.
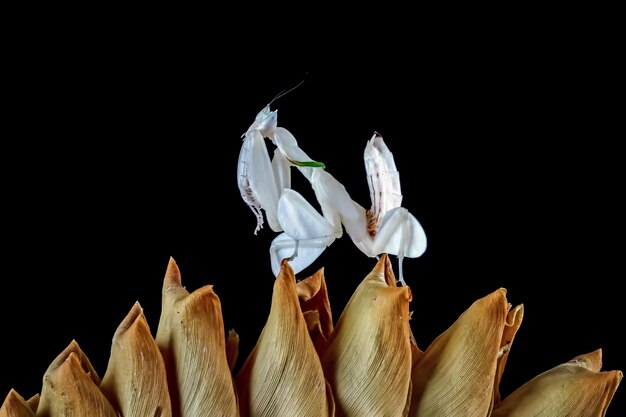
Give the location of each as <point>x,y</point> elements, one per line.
<point>124,156</point>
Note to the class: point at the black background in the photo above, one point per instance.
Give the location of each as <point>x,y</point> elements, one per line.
<point>123,153</point>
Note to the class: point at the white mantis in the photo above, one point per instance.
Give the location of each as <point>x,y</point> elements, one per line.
<point>266,185</point>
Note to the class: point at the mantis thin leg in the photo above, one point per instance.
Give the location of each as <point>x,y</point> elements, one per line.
<point>399,234</point>
<point>288,145</point>
<point>295,251</point>
<point>309,250</point>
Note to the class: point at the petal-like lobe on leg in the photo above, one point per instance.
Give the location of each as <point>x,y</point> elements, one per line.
<point>283,247</point>
<point>400,234</point>
<point>338,207</point>
<point>299,219</point>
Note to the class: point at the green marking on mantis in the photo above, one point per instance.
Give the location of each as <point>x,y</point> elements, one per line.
<point>311,164</point>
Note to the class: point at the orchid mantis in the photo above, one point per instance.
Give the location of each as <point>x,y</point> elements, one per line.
<point>266,185</point>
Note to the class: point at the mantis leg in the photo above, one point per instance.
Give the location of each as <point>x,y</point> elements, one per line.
<point>306,235</point>
<point>299,219</point>
<point>339,208</point>
<point>282,170</point>
<point>288,146</point>
<point>256,180</point>
<point>399,234</point>
<point>284,247</point>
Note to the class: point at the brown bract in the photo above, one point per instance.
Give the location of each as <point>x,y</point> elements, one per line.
<point>575,388</point>
<point>283,375</point>
<point>192,341</point>
<point>70,388</point>
<point>456,375</point>
<point>368,365</point>
<point>315,307</point>
<point>15,405</point>
<point>135,382</point>
<point>367,359</point>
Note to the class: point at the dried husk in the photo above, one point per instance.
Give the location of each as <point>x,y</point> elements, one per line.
<point>576,388</point>
<point>33,402</point>
<point>283,375</point>
<point>15,405</point>
<point>135,381</point>
<point>192,341</point>
<point>315,307</point>
<point>368,357</point>
<point>511,326</point>
<point>456,375</point>
<point>232,349</point>
<point>70,388</point>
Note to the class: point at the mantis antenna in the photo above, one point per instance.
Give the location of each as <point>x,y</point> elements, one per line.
<point>285,91</point>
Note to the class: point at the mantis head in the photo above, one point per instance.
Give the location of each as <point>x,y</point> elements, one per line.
<point>266,121</point>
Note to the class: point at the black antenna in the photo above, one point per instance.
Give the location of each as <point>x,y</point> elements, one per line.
<point>284,92</point>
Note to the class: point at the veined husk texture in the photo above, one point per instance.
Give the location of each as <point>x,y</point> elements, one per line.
<point>458,373</point>
<point>575,388</point>
<point>135,381</point>
<point>367,359</point>
<point>15,405</point>
<point>71,388</point>
<point>192,340</point>
<point>315,307</point>
<point>367,366</point>
<point>283,375</point>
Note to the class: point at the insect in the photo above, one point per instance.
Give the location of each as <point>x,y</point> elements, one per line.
<point>265,185</point>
